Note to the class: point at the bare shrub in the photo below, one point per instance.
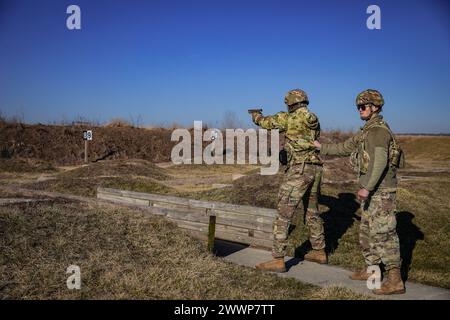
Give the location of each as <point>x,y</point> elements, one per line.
<point>231,120</point>
<point>118,123</point>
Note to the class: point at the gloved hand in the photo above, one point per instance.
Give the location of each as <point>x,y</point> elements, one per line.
<point>255,113</point>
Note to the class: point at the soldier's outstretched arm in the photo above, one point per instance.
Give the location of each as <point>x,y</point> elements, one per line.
<point>277,121</point>
<point>342,149</point>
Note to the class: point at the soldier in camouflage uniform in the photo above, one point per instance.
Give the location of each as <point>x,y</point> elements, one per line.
<point>375,156</point>
<point>302,177</point>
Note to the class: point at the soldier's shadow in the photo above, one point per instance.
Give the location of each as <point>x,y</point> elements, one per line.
<point>408,234</point>
<point>337,220</point>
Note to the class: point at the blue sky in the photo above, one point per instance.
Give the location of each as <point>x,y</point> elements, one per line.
<point>180,61</point>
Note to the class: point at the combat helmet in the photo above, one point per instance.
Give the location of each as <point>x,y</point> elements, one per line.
<point>296,96</point>
<point>370,96</point>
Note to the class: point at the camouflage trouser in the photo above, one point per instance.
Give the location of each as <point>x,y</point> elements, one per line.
<point>297,182</point>
<point>378,234</point>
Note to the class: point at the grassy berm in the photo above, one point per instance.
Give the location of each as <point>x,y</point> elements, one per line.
<point>136,175</point>
<point>123,254</point>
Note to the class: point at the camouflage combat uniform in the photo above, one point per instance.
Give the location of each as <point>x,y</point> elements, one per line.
<point>371,151</point>
<point>302,176</point>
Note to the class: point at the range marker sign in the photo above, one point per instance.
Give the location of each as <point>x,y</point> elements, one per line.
<point>87,135</point>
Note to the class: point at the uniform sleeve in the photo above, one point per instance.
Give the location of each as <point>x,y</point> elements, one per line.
<point>378,140</point>
<point>277,121</point>
<point>342,149</point>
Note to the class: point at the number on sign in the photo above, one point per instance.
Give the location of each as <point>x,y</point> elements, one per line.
<point>87,135</point>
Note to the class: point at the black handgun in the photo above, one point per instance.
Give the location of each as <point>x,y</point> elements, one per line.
<point>254,110</point>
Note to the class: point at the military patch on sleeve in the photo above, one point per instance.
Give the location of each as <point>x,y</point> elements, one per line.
<point>312,120</point>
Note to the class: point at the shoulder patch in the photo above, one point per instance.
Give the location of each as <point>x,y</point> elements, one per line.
<point>311,117</point>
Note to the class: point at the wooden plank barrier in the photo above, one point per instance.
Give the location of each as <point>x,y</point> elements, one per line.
<point>238,223</point>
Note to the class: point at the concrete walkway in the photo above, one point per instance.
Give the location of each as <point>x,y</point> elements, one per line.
<point>324,275</point>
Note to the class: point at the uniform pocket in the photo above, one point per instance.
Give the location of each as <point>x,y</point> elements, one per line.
<point>385,222</point>
<point>381,213</point>
<point>388,201</point>
<point>364,159</point>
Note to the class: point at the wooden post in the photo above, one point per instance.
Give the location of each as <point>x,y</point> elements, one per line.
<point>211,233</point>
<point>86,142</point>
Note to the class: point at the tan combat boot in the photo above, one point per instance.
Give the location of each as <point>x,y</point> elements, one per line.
<point>318,256</point>
<point>360,275</point>
<point>275,265</point>
<point>393,284</point>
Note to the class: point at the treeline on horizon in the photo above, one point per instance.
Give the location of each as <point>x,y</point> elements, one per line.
<point>230,120</point>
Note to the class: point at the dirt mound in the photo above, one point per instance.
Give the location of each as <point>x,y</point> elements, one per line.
<point>135,167</point>
<point>136,175</point>
<point>25,166</point>
<point>64,145</point>
<point>256,190</point>
<point>88,186</point>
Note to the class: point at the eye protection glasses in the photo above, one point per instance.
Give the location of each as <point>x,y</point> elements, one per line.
<point>362,107</point>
